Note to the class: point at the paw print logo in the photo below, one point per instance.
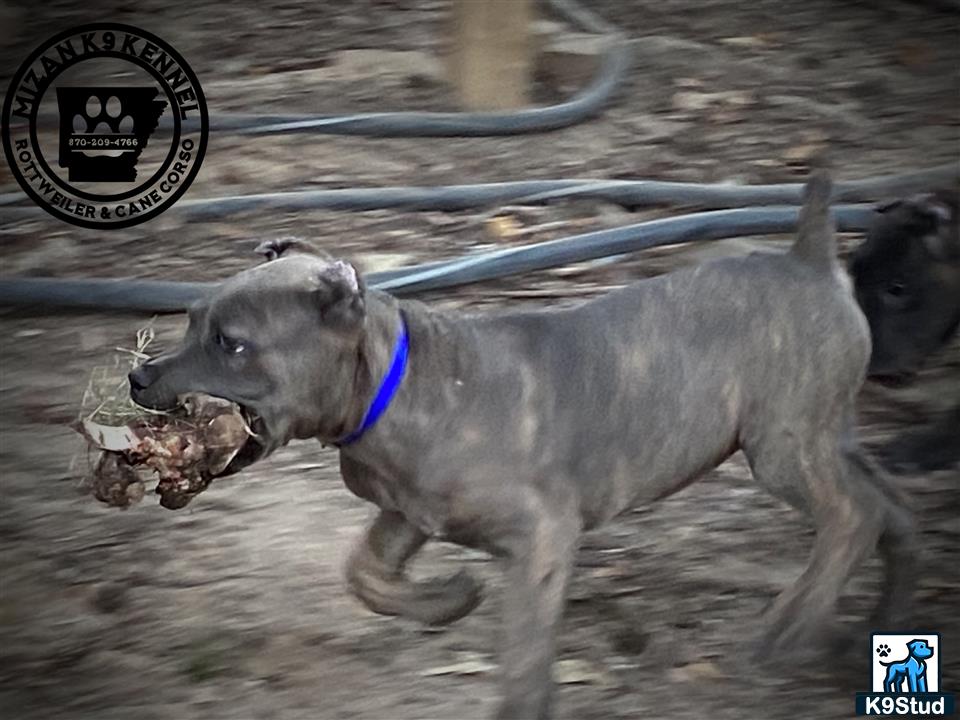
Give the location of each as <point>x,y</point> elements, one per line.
<point>883,650</point>
<point>103,130</point>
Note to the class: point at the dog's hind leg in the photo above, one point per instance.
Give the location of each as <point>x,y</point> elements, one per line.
<point>375,575</point>
<point>815,477</point>
<point>891,683</point>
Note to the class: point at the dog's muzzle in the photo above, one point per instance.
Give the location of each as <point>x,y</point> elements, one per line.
<point>150,386</point>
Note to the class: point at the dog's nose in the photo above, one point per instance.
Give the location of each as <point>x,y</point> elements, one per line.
<point>142,377</point>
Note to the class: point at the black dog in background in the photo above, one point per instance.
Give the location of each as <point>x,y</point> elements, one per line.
<point>907,279</point>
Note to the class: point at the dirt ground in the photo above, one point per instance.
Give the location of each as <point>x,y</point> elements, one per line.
<point>235,607</point>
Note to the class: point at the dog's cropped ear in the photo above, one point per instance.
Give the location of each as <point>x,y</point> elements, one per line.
<point>943,245</point>
<point>272,249</point>
<point>941,238</point>
<point>929,219</point>
<point>341,295</point>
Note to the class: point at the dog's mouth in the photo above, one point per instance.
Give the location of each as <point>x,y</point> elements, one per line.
<point>894,372</point>
<point>261,437</point>
<point>254,448</point>
<point>257,446</point>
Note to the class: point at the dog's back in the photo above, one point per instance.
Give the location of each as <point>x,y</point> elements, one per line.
<point>654,384</point>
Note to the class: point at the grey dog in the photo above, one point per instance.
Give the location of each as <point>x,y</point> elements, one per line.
<point>516,432</point>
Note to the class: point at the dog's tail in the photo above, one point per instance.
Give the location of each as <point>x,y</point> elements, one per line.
<point>815,241</point>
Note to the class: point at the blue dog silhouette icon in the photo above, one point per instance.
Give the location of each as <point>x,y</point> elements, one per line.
<point>912,669</point>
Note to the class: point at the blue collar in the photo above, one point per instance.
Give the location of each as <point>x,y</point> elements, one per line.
<point>388,386</point>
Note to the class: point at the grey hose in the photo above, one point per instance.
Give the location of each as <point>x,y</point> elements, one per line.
<point>585,104</point>
<point>153,296</point>
<point>602,243</point>
<point>614,65</point>
<point>627,193</point>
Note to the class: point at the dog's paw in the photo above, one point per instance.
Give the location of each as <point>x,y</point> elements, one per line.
<point>438,601</point>
<point>446,600</point>
<point>798,644</point>
<point>883,650</point>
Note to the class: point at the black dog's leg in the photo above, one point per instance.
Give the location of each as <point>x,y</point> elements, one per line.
<point>927,449</point>
<point>375,574</point>
<point>898,544</point>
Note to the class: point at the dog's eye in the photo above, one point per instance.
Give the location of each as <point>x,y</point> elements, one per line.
<point>230,345</point>
<point>896,295</point>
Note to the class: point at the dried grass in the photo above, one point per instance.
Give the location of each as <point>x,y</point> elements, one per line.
<point>106,399</point>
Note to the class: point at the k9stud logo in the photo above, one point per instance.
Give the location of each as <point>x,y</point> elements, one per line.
<point>105,126</point>
<point>905,677</point>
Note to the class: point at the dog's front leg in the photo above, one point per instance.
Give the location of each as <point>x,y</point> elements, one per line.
<point>540,556</point>
<point>375,574</point>
<point>915,682</point>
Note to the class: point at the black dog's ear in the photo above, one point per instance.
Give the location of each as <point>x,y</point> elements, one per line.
<point>936,205</point>
<point>272,249</point>
<point>922,216</point>
<point>341,295</point>
<point>943,245</point>
<point>936,220</point>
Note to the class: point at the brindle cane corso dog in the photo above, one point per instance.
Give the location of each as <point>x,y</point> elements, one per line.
<point>516,432</point>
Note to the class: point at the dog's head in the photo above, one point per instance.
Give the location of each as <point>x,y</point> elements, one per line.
<point>920,649</point>
<point>280,340</point>
<point>907,280</point>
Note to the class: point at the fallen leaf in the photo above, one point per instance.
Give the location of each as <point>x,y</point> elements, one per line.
<point>503,226</point>
<point>695,672</point>
<point>802,154</point>
<point>691,101</point>
<point>753,42</point>
<point>580,672</point>
<point>470,665</point>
